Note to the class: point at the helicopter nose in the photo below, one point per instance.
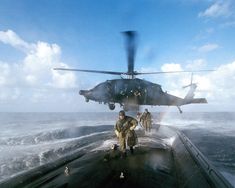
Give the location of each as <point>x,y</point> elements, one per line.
<point>82,92</point>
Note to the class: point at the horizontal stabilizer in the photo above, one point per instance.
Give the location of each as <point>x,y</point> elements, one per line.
<point>198,100</point>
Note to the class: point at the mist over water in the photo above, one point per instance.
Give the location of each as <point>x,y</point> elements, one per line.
<point>28,140</point>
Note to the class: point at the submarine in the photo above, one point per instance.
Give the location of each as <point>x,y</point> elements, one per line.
<point>166,159</point>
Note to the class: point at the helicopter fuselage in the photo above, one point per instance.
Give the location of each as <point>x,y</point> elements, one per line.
<point>128,92</point>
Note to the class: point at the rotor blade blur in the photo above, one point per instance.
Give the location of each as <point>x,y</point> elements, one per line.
<point>131,48</point>
<point>169,72</point>
<point>92,71</point>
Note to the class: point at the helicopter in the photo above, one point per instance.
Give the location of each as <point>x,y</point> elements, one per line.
<point>132,92</point>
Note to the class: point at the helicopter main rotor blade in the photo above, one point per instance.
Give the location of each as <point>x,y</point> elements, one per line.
<point>93,71</point>
<point>130,48</point>
<point>169,72</point>
<point>127,73</point>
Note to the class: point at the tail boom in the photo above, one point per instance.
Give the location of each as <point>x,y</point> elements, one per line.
<point>194,101</point>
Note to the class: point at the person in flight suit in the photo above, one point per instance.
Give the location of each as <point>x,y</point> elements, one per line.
<point>146,120</point>
<point>124,129</point>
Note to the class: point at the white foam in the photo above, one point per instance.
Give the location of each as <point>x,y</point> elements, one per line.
<point>169,141</point>
<point>106,144</point>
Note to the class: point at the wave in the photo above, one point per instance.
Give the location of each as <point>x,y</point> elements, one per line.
<point>33,156</point>
<point>59,134</point>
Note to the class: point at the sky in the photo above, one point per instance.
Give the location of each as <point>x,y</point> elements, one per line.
<point>36,36</point>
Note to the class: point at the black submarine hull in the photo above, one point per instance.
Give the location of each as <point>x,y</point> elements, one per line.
<point>166,160</point>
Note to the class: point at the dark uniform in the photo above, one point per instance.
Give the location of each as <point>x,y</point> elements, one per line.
<point>124,130</point>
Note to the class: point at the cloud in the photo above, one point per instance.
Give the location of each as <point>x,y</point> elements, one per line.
<point>4,73</point>
<point>171,67</point>
<point>11,38</point>
<point>169,84</point>
<point>218,9</point>
<point>207,48</point>
<point>196,64</point>
<point>39,63</point>
<point>33,76</point>
<point>228,24</point>
<point>63,80</point>
<point>36,67</point>
<point>216,86</point>
<point>204,34</point>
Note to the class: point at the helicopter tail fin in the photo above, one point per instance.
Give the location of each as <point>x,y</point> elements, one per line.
<point>191,91</point>
<point>189,98</point>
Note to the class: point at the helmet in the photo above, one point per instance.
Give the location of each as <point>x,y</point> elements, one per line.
<point>146,110</point>
<point>122,113</point>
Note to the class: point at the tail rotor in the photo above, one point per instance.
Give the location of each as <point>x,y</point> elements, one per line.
<point>193,86</point>
<point>191,83</point>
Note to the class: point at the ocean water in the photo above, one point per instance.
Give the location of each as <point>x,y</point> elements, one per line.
<point>28,140</point>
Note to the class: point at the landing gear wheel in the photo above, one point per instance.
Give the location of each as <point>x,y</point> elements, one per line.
<point>111,106</point>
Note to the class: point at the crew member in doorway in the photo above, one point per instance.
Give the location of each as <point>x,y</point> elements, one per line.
<point>146,120</point>
<point>124,129</point>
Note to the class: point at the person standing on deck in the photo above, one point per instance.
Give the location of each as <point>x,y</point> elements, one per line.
<point>146,120</point>
<point>124,129</point>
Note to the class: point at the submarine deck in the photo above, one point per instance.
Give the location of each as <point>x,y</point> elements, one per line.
<point>147,167</point>
<point>162,161</point>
